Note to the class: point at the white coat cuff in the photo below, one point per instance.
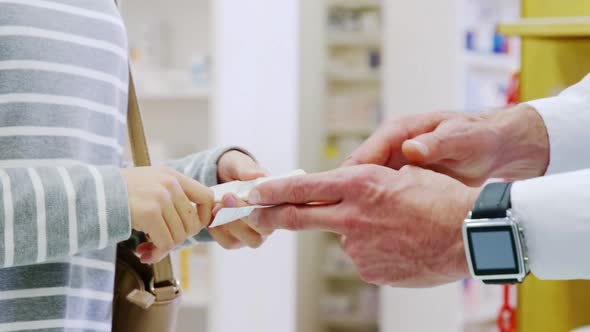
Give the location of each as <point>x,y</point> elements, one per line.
<point>566,119</point>
<point>554,213</point>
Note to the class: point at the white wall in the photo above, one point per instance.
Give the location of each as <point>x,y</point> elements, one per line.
<point>422,74</point>
<point>255,106</point>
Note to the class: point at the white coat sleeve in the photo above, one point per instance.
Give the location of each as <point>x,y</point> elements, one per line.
<point>555,214</point>
<point>555,210</point>
<point>567,119</point>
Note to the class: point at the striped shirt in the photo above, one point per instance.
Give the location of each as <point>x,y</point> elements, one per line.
<point>63,202</point>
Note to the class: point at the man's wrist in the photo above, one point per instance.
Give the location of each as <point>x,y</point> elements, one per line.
<point>470,197</point>
<point>524,149</point>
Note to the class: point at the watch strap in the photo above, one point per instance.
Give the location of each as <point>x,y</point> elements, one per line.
<point>493,201</point>
<point>501,282</point>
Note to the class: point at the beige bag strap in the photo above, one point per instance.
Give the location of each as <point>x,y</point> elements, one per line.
<point>164,284</point>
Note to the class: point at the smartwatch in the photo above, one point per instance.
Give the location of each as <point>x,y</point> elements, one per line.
<point>494,241</point>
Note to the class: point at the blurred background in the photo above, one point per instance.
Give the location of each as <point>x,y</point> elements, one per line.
<point>301,83</point>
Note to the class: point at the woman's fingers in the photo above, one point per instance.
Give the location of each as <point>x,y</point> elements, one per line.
<point>245,234</point>
<point>200,195</point>
<point>240,230</point>
<point>235,165</point>
<point>160,234</point>
<point>175,224</point>
<point>188,213</point>
<point>224,238</point>
<point>145,251</point>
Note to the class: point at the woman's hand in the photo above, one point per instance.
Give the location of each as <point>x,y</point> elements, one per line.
<point>160,205</point>
<point>238,233</point>
<point>237,166</point>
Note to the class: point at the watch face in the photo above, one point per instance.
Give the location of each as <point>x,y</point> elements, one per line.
<point>493,250</point>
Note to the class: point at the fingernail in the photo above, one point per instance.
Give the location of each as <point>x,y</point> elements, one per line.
<point>254,197</point>
<point>229,200</point>
<point>253,219</point>
<point>421,147</point>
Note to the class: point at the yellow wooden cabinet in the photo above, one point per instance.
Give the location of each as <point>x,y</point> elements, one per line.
<point>555,54</point>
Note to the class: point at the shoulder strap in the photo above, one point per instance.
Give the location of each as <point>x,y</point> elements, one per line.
<point>165,285</point>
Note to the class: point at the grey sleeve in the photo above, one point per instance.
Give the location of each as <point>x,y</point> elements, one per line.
<point>202,167</point>
<point>49,213</point>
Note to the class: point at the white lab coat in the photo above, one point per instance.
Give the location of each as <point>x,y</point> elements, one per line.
<point>555,209</point>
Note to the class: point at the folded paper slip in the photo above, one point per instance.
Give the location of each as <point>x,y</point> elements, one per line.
<point>242,190</point>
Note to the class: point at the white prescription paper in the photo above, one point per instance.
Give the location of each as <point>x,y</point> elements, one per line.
<point>242,190</point>
<point>228,215</point>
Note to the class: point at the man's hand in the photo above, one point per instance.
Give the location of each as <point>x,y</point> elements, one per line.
<point>510,143</point>
<point>235,165</point>
<point>160,205</point>
<point>401,228</point>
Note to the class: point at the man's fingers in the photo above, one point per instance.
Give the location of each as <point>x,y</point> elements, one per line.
<point>431,147</point>
<point>311,188</point>
<point>375,150</point>
<point>299,218</point>
<point>384,147</point>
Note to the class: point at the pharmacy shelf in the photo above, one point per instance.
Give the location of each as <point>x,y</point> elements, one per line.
<point>353,39</point>
<point>355,4</point>
<point>367,76</point>
<point>491,62</point>
<point>350,323</point>
<point>192,94</point>
<point>549,27</point>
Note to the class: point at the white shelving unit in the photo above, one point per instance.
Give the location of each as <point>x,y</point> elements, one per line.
<point>499,63</point>
<point>488,71</point>
<point>353,76</point>
<point>176,111</point>
<point>490,60</point>
<point>176,102</point>
<point>354,324</point>
<point>355,4</point>
<point>354,39</point>
<point>341,108</point>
